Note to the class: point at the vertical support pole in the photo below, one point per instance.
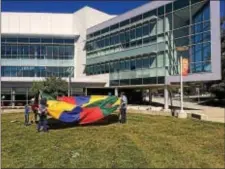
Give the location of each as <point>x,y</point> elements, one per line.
<point>150,96</point>
<point>116,92</point>
<point>27,96</point>
<point>85,91</point>
<point>69,85</point>
<point>13,97</point>
<point>181,86</point>
<point>166,107</point>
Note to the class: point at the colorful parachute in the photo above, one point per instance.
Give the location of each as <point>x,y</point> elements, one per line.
<point>82,109</point>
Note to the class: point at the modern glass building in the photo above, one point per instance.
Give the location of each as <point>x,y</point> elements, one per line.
<point>141,49</point>
<point>137,49</point>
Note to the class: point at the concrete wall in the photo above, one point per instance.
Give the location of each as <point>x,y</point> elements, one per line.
<point>37,23</point>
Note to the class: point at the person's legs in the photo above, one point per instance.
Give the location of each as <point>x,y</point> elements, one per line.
<point>28,119</point>
<point>40,124</point>
<point>122,115</point>
<point>45,128</point>
<point>125,115</point>
<point>35,116</point>
<point>25,119</point>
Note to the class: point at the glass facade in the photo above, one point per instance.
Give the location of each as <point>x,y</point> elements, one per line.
<point>31,71</point>
<point>34,49</point>
<point>143,48</point>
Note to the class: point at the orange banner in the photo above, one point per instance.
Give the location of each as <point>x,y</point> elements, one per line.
<point>185,66</point>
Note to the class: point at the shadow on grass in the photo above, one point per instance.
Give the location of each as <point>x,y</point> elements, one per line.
<point>57,125</point>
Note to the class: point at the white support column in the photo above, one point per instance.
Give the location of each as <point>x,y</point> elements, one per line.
<point>150,96</point>
<point>116,92</point>
<point>166,107</point>
<point>85,91</point>
<point>13,97</point>
<point>27,90</point>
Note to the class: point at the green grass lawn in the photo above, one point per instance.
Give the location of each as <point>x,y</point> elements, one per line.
<point>145,141</point>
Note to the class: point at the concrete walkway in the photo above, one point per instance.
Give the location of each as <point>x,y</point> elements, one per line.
<point>215,114</point>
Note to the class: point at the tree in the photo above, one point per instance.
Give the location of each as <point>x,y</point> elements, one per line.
<point>54,86</point>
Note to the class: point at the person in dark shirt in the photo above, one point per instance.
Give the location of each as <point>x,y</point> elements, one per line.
<point>42,112</point>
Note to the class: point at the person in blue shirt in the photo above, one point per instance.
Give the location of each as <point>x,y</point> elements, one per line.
<point>26,114</point>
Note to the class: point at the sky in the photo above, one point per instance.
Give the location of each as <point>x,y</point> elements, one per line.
<point>113,7</point>
<point>70,6</point>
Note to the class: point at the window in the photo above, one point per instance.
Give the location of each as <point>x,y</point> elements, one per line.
<point>146,40</point>
<point>206,26</point>
<point>160,59</point>
<point>206,13</point>
<point>69,41</point>
<point>181,32</point>
<point>139,62</point>
<point>55,52</point>
<point>117,38</point>
<point>132,64</point>
<point>161,11</point>
<point>3,51</point>
<point>122,37</point>
<point>153,28</point>
<point>35,40</point>
<point>145,62</point>
<point>49,51</point>
<point>139,42</point>
<point>127,36</point>
<point>61,52</point>
<point>139,32</point>
<point>146,29</point>
<point>197,38</point>
<point>122,64</point>
<point>107,42</point>
<point>8,51</point>
<point>56,40</point>
<point>136,18</point>
<point>12,39</point>
<point>180,4</point>
<point>46,40</point>
<point>132,34</point>
<point>113,27</point>
<point>150,14</point>
<point>169,7</point>
<point>127,64</point>
<point>105,30</point>
<point>14,51</point>
<point>124,23</point>
<point>206,36</point>
<point>106,67</point>
<point>133,44</point>
<point>206,52</point>
<point>152,60</point>
<point>180,19</point>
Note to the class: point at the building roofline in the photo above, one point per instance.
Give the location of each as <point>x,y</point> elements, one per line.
<point>129,14</point>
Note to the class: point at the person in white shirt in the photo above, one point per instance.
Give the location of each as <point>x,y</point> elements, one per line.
<point>123,108</point>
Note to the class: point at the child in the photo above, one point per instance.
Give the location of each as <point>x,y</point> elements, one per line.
<point>42,111</point>
<point>35,112</point>
<point>26,114</point>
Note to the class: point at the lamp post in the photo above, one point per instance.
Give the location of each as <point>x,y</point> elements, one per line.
<point>69,81</point>
<point>182,113</point>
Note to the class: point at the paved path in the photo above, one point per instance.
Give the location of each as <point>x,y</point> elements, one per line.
<point>214,113</point>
